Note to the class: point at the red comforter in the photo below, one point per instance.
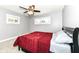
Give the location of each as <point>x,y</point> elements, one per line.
<point>35,42</point>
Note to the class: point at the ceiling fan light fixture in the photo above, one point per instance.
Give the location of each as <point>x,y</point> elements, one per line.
<point>30,12</point>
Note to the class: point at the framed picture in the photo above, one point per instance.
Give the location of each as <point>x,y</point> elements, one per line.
<point>12,19</point>
<point>43,20</point>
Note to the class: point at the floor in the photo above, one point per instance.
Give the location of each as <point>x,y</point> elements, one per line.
<point>7,47</point>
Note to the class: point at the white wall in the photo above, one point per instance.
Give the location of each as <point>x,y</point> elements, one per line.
<point>11,30</point>
<point>71,16</point>
<point>56,22</point>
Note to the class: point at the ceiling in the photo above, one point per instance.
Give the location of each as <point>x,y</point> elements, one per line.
<point>43,8</point>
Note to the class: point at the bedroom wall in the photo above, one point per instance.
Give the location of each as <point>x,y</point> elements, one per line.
<point>11,30</point>
<point>56,22</point>
<point>71,16</point>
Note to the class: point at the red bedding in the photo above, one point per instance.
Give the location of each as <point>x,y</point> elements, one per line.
<point>35,42</point>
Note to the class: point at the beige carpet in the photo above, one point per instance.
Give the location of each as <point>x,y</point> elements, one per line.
<point>7,47</point>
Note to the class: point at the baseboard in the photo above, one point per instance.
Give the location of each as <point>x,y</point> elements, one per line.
<point>11,38</point>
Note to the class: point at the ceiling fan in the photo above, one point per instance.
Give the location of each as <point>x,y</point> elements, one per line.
<point>30,10</point>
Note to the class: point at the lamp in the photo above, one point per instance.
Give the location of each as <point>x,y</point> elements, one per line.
<point>30,12</point>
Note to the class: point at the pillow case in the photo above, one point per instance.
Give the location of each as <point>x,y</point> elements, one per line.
<point>62,37</point>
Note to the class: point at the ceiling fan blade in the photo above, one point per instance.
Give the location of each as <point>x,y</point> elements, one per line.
<point>23,7</point>
<point>25,11</point>
<point>36,11</point>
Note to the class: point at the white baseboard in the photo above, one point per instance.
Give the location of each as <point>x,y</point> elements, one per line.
<point>11,38</point>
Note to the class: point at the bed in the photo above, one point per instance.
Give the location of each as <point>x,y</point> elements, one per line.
<point>44,42</point>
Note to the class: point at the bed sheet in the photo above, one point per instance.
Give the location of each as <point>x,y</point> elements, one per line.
<point>34,42</point>
<point>60,48</point>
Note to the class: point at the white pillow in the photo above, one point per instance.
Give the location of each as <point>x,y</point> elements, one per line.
<point>62,37</point>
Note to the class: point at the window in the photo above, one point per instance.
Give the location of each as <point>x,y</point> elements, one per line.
<point>43,20</point>
<point>12,19</point>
